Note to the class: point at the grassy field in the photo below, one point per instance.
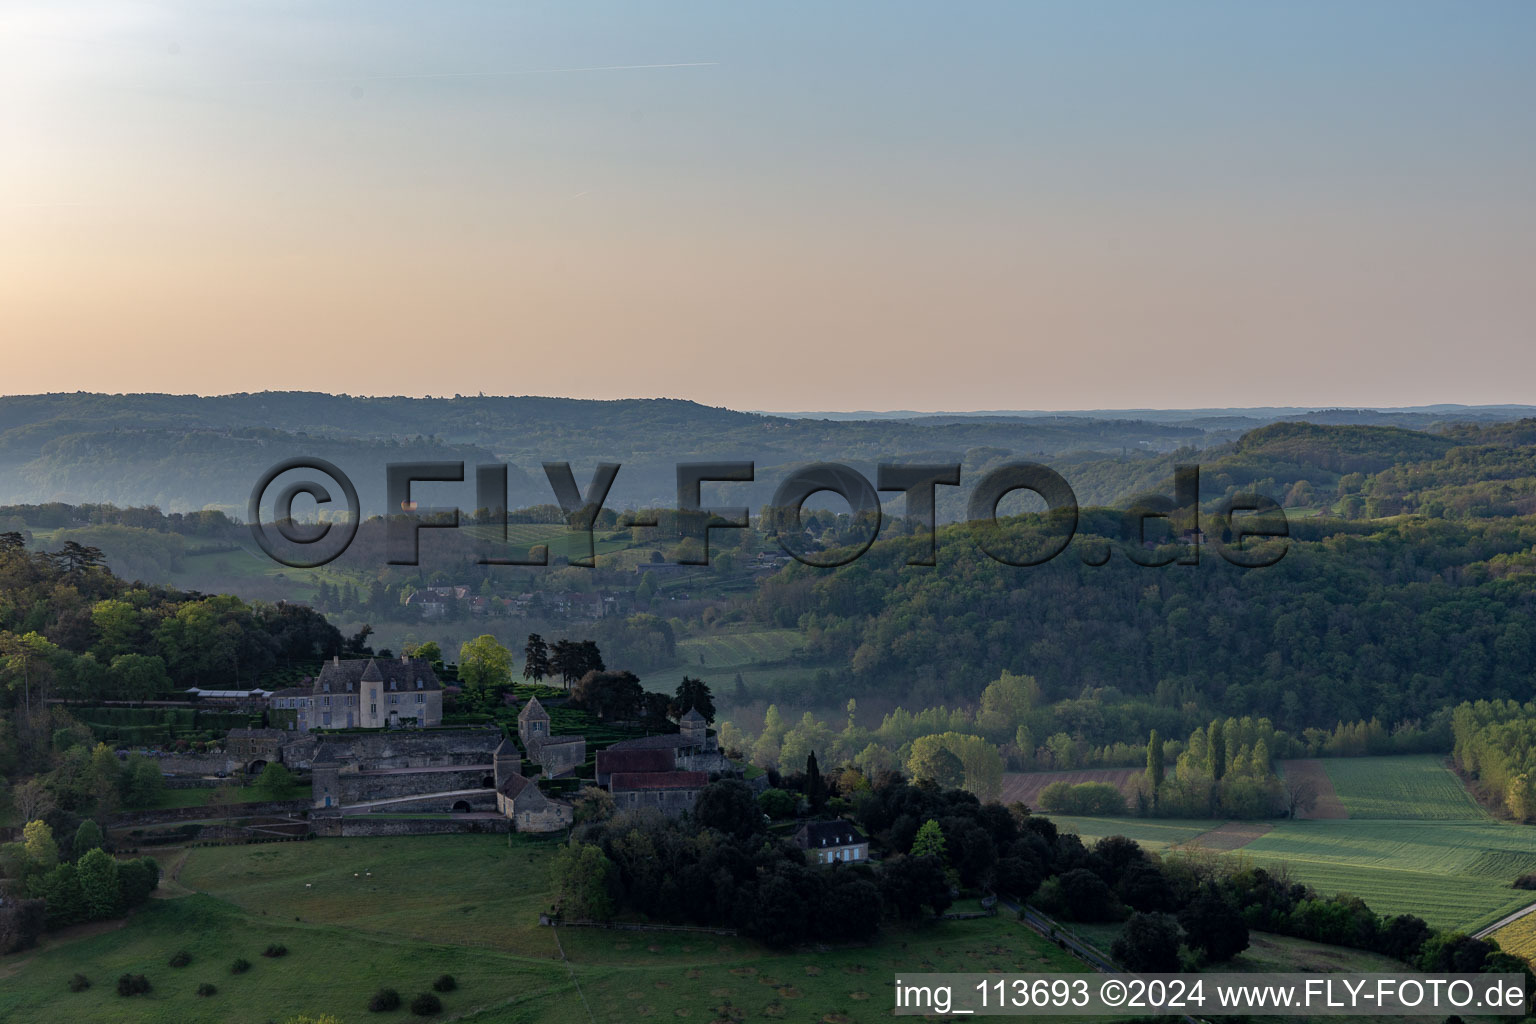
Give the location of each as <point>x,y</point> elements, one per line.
<point>719,651</point>
<point>242,795</point>
<point>768,660</point>
<point>1451,873</point>
<point>1414,842</point>
<point>1153,833</point>
<point>465,905</point>
<point>1412,787</point>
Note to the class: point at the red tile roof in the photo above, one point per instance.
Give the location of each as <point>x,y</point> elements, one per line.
<point>656,760</point>
<point>659,780</point>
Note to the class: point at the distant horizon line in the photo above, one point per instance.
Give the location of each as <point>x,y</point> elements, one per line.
<point>1204,411</point>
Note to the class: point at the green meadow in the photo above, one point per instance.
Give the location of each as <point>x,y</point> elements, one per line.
<point>1417,787</point>
<point>360,914</point>
<point>1415,843</point>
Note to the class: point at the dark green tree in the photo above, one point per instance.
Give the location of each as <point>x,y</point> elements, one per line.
<point>693,695</point>
<point>536,659</point>
<point>1149,944</point>
<point>88,837</point>
<point>1216,745</point>
<point>99,885</point>
<point>1213,927</point>
<point>730,806</point>
<point>815,785</point>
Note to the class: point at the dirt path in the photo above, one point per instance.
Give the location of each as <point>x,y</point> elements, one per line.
<point>1234,835</point>
<point>1506,919</point>
<point>170,874</point>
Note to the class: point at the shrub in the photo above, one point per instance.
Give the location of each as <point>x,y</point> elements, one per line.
<point>206,989</point>
<point>1098,798</point>
<point>426,1004</point>
<point>79,983</point>
<point>181,959</point>
<point>384,999</point>
<point>275,950</point>
<point>132,985</point>
<point>445,983</point>
<point>240,966</point>
<point>1526,882</point>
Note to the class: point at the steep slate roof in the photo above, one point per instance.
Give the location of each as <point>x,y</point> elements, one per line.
<point>348,676</point>
<point>817,834</point>
<point>692,717</point>
<point>670,740</point>
<point>524,793</point>
<point>644,781</point>
<point>555,741</point>
<point>532,710</point>
<point>657,759</point>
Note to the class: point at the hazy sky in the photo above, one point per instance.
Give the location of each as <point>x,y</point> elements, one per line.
<point>778,206</point>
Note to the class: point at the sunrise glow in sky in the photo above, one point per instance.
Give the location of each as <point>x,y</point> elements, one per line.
<point>787,206</point>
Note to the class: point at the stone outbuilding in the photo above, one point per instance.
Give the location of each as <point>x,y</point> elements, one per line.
<point>521,800</point>
<point>671,793</point>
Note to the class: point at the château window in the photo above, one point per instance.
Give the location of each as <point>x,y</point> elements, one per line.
<point>421,698</point>
<point>373,709</point>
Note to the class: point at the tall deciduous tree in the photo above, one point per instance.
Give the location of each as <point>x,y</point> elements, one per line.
<point>88,837</point>
<point>536,658</point>
<point>26,659</point>
<point>932,761</point>
<point>1216,744</point>
<point>583,882</point>
<point>1155,767</point>
<point>484,664</point>
<point>38,844</point>
<point>99,886</point>
<point>929,841</point>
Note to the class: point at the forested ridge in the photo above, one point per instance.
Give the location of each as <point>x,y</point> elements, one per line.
<point>185,452</point>
<point>1392,619</point>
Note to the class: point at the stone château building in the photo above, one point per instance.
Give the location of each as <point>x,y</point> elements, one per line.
<point>362,693</point>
